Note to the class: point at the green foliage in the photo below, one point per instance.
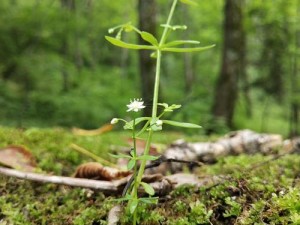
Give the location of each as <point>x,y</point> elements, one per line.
<point>199,213</point>
<point>235,209</point>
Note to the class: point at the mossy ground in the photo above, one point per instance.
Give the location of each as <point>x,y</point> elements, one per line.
<point>266,194</point>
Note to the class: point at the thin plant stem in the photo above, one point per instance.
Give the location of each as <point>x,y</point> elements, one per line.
<point>165,32</point>
<point>135,185</point>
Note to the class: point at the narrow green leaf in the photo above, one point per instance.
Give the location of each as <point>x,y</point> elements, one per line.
<point>148,188</point>
<point>129,125</point>
<point>189,2</point>
<point>181,124</point>
<point>120,155</point>
<point>126,198</point>
<point>187,49</point>
<point>123,44</point>
<point>163,104</point>
<point>131,164</point>
<point>149,38</point>
<point>150,200</point>
<point>180,42</point>
<point>174,27</point>
<point>148,157</point>
<point>132,205</point>
<point>172,108</point>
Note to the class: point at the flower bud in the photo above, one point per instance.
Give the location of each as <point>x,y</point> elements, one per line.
<point>114,121</point>
<point>159,122</point>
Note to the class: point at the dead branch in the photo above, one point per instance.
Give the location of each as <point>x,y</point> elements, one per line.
<point>104,186</point>
<point>162,185</point>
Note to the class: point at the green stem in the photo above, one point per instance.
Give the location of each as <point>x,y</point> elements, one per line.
<point>135,185</point>
<point>165,32</point>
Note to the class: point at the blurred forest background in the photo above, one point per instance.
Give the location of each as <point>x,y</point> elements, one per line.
<point>56,68</point>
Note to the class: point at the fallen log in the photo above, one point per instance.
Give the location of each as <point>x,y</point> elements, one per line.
<point>243,141</point>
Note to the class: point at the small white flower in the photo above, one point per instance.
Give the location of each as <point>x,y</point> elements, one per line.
<point>159,122</point>
<point>135,105</point>
<point>114,121</point>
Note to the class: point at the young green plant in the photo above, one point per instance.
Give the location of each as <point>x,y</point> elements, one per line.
<point>155,122</point>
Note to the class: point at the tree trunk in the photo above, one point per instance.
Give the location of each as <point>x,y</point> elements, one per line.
<point>295,86</point>
<point>147,22</point>
<point>70,6</point>
<point>232,62</point>
<point>188,58</point>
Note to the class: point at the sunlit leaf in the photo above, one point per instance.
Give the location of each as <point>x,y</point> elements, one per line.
<point>181,124</point>
<point>163,104</point>
<point>172,108</point>
<point>123,44</point>
<point>148,157</point>
<point>119,156</point>
<point>148,188</point>
<point>132,152</point>
<point>131,164</point>
<point>199,49</point>
<point>180,42</point>
<point>129,125</point>
<point>151,200</point>
<point>189,2</point>
<point>132,205</point>
<point>149,38</point>
<point>126,198</point>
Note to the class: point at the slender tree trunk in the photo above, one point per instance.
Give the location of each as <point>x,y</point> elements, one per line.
<point>295,86</point>
<point>188,58</point>
<point>70,6</point>
<point>232,68</point>
<point>147,22</point>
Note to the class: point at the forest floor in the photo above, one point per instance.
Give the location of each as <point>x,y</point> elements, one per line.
<point>248,194</point>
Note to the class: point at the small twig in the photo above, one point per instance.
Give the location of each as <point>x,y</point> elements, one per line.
<point>104,186</point>
<point>92,155</point>
<point>156,163</point>
<point>163,159</point>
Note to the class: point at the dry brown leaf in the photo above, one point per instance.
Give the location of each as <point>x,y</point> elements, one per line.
<point>96,171</point>
<point>101,130</point>
<point>17,157</point>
